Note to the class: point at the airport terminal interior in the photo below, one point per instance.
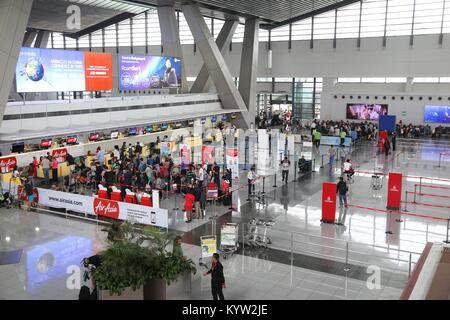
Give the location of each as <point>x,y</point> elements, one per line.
<point>237,150</point>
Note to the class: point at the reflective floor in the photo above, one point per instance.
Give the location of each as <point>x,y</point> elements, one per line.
<point>306,260</point>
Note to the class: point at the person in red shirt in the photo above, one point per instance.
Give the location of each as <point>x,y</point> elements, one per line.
<point>189,200</point>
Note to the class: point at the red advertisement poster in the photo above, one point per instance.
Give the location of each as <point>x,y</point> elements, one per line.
<point>328,202</point>
<point>185,153</point>
<point>60,154</point>
<point>208,155</point>
<point>394,191</point>
<point>382,136</point>
<point>7,164</point>
<point>106,208</point>
<point>98,71</point>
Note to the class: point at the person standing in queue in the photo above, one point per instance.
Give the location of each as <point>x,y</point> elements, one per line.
<point>394,140</point>
<point>285,164</point>
<point>341,190</point>
<point>387,146</point>
<point>55,170</point>
<point>45,163</point>
<point>251,176</point>
<point>217,278</point>
<point>332,155</point>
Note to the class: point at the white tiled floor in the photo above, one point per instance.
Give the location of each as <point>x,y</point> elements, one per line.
<point>60,242</point>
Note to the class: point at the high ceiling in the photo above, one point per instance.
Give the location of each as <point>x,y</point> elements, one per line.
<point>52,14</point>
<point>272,12</point>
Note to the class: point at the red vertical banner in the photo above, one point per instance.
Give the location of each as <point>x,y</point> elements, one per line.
<point>394,191</point>
<point>328,202</point>
<point>382,136</point>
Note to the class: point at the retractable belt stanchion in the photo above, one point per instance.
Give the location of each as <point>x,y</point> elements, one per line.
<point>446,237</point>
<point>313,167</point>
<point>388,231</point>
<point>295,171</point>
<point>275,180</point>
<point>321,164</point>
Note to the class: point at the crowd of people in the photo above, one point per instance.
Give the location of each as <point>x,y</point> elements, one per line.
<point>129,169</point>
<point>419,131</point>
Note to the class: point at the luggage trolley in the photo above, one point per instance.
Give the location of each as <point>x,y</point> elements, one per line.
<point>376,183</point>
<point>228,239</point>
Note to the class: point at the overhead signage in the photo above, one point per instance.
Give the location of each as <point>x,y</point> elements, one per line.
<point>148,72</point>
<point>50,70</point>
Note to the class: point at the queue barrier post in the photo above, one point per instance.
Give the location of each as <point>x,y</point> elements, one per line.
<point>446,237</point>
<point>405,208</point>
<point>275,180</point>
<point>415,193</point>
<point>347,268</point>
<point>295,171</point>
<point>292,247</point>
<point>321,164</point>
<point>313,167</point>
<point>409,265</point>
<point>420,185</point>
<point>389,231</point>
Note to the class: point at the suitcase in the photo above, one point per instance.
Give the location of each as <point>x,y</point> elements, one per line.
<point>227,200</point>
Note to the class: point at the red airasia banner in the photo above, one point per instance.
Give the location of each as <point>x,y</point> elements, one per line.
<point>394,191</point>
<point>328,202</point>
<point>59,154</point>
<point>106,208</point>
<point>7,164</point>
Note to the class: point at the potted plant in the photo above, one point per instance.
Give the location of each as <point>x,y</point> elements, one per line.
<point>173,270</point>
<point>137,265</point>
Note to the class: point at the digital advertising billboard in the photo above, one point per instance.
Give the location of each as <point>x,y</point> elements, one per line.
<point>98,71</point>
<point>148,72</point>
<point>364,111</point>
<point>437,114</point>
<point>49,70</point>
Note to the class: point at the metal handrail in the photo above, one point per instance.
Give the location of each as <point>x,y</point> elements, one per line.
<point>345,241</point>
<point>349,251</point>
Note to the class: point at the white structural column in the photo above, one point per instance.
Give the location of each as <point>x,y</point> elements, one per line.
<point>203,81</point>
<point>14,16</point>
<point>170,38</point>
<point>249,65</point>
<point>28,38</point>
<point>215,64</point>
<point>42,39</point>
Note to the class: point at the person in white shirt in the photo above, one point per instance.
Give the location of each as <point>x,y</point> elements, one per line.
<point>200,174</point>
<point>285,164</point>
<point>251,176</point>
<point>348,169</point>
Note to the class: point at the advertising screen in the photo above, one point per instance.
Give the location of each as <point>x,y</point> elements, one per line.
<point>45,70</point>
<point>48,70</point>
<point>437,114</point>
<point>98,71</point>
<point>147,72</point>
<point>363,111</point>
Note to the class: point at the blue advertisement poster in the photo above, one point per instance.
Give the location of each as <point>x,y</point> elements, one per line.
<point>437,114</point>
<point>49,261</point>
<point>387,123</point>
<point>335,141</point>
<point>45,70</point>
<point>148,72</point>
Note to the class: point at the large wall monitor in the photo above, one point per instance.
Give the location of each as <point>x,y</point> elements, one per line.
<point>364,111</point>
<point>49,70</point>
<point>148,72</point>
<point>436,114</point>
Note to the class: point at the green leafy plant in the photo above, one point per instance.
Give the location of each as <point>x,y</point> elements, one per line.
<point>124,264</point>
<point>136,256</point>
